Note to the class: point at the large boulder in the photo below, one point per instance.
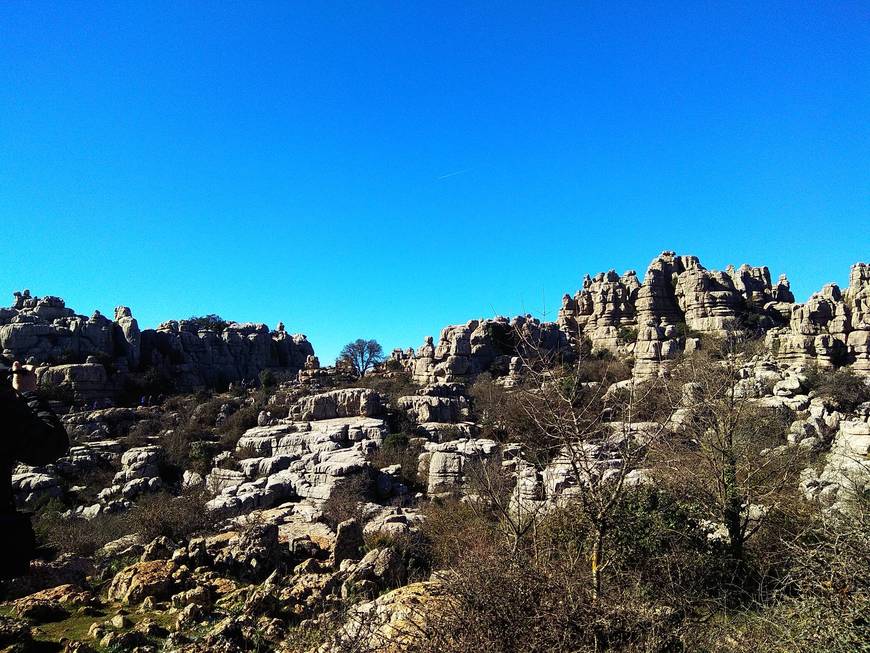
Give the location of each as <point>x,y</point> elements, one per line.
<point>350,402</point>
<point>157,579</point>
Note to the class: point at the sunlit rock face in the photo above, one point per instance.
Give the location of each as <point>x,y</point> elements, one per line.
<point>68,348</point>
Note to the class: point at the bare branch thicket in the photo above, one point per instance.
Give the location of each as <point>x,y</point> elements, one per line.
<point>730,455</point>
<point>570,419</point>
<point>493,495</point>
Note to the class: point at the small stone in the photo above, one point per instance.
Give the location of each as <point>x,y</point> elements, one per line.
<point>120,622</point>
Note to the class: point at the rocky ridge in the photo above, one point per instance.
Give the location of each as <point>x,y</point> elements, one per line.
<point>652,321</point>
<point>92,356</point>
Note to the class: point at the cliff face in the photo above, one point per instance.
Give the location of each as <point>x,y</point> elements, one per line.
<point>653,321</point>
<point>93,354</point>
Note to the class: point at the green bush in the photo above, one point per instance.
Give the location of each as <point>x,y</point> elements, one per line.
<point>268,379</point>
<point>626,335</point>
<point>209,322</point>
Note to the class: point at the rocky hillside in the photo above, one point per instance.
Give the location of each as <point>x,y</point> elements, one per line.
<point>676,464</point>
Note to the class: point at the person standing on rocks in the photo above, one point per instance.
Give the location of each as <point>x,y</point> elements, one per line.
<point>30,433</point>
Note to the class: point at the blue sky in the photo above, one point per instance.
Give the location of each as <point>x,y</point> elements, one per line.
<point>382,169</point>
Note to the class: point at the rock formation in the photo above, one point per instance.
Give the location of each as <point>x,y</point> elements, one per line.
<point>678,303</point>
<point>92,356</point>
<point>466,350</point>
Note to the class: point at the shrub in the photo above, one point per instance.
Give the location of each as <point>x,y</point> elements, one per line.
<point>626,335</point>
<point>397,384</point>
<point>210,322</point>
<point>60,392</point>
<point>152,515</point>
<point>152,383</point>
<point>396,450</point>
<point>268,379</point>
<point>503,338</point>
<point>163,514</point>
<point>345,500</point>
<point>500,416</point>
<point>845,389</point>
<point>75,535</point>
<point>393,366</point>
<point>232,429</point>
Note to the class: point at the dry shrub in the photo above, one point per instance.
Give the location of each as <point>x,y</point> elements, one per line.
<point>499,602</point>
<point>163,514</point>
<point>345,500</point>
<point>845,389</point>
<point>78,536</point>
<point>497,411</point>
<point>454,530</point>
<point>236,424</point>
<point>152,516</point>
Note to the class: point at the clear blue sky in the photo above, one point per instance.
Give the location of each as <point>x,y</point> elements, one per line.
<point>382,169</point>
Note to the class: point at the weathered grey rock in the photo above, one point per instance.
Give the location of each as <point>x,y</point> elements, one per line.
<point>846,475</point>
<point>158,579</point>
<point>348,541</point>
<point>424,408</point>
<point>44,331</point>
<point>466,350</point>
<point>445,464</point>
<point>31,487</point>
<point>601,308</point>
<point>86,381</point>
<point>253,554</point>
<point>351,402</point>
<point>831,328</point>
<point>296,460</point>
<point>379,569</point>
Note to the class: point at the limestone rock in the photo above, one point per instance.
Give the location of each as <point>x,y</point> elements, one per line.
<point>44,331</point>
<point>348,541</point>
<point>253,554</point>
<point>445,464</point>
<point>159,579</point>
<point>352,402</point>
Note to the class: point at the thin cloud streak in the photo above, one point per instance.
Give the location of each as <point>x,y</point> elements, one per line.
<point>453,174</point>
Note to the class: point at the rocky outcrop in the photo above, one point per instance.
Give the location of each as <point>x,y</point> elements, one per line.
<point>92,356</point>
<point>295,460</point>
<point>832,328</point>
<point>350,402</point>
<point>394,621</point>
<point>653,321</point>
<point>465,350</point>
<point>846,474</point>
<point>603,310</point>
<point>156,579</point>
<point>428,408</point>
<point>139,473</point>
<point>203,358</point>
<point>445,465</point>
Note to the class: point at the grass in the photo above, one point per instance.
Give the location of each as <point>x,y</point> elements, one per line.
<point>48,636</point>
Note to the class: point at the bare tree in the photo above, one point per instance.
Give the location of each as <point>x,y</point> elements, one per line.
<point>729,455</point>
<point>591,429</point>
<point>362,355</point>
<point>495,495</point>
